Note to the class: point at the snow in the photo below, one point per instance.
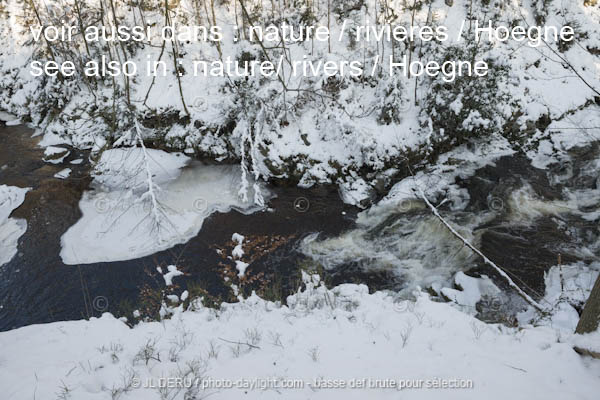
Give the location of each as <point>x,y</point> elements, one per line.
<point>55,155</point>
<point>236,237</point>
<point>343,334</point>
<point>13,122</point>
<point>567,286</point>
<point>184,296</point>
<point>4,116</point>
<point>173,298</point>
<point>355,191</point>
<point>489,262</point>
<point>578,129</point>
<point>11,229</point>
<point>588,341</point>
<point>419,249</point>
<point>123,168</point>
<point>241,267</point>
<point>238,251</point>
<point>173,272</point>
<point>471,290</point>
<point>438,180</point>
<point>116,222</point>
<point>63,174</point>
<point>321,141</point>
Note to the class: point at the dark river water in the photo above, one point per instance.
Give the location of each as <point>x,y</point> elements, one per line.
<point>36,287</point>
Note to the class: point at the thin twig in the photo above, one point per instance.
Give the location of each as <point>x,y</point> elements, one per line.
<point>240,343</point>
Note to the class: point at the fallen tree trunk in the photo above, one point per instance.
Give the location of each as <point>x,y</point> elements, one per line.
<point>502,273</point>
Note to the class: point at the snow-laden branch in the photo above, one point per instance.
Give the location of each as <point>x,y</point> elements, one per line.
<point>247,139</point>
<point>521,293</point>
<point>157,214</point>
<point>149,181</point>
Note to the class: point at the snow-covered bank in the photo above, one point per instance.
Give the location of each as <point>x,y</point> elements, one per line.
<point>333,337</point>
<point>342,130</point>
<point>11,229</point>
<point>6,117</point>
<point>118,215</point>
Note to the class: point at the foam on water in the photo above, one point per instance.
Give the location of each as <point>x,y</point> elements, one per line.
<point>401,236</point>
<point>416,247</point>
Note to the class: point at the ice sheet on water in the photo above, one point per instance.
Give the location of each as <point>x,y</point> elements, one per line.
<point>11,229</point>
<point>117,225</point>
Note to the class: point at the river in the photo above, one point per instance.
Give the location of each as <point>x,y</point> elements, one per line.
<point>523,218</point>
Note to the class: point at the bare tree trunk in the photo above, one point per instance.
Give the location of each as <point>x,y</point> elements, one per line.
<point>590,318</point>
<point>50,51</point>
<point>81,27</point>
<point>246,15</point>
<point>411,45</point>
<point>162,50</point>
<point>214,22</point>
<point>127,91</point>
<point>175,58</point>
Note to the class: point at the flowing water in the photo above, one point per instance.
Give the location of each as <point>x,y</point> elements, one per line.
<point>521,217</point>
<point>524,219</point>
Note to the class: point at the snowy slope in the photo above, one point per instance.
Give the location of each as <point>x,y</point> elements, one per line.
<point>344,334</point>
<point>351,132</point>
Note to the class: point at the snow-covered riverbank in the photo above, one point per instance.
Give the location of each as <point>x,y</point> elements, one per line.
<point>350,132</point>
<point>342,336</point>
